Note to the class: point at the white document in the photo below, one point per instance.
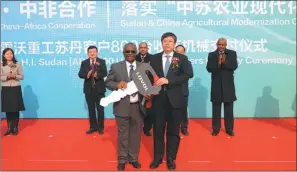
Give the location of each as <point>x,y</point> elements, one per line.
<point>117,95</point>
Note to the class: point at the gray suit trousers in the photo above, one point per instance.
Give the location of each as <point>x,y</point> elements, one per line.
<point>129,134</point>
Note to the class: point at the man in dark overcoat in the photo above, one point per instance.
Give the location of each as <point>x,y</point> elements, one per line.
<point>221,64</point>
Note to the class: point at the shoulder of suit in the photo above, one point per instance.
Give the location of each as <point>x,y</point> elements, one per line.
<point>84,61</point>
<point>149,55</point>
<point>156,55</point>
<point>118,63</point>
<point>181,56</point>
<point>231,51</point>
<point>139,63</point>
<point>211,53</point>
<point>100,59</point>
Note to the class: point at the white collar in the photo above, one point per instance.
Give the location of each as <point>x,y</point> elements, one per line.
<point>129,64</point>
<point>92,60</point>
<point>170,54</point>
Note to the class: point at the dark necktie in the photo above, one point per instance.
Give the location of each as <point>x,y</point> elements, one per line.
<point>130,76</point>
<point>131,71</point>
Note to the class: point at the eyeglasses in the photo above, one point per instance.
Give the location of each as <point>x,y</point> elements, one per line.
<point>128,51</point>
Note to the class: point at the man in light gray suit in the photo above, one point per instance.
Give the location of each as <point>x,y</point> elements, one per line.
<point>129,112</point>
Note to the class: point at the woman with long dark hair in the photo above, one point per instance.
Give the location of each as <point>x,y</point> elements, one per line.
<point>11,92</point>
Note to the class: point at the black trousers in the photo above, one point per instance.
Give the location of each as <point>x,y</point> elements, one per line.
<point>185,120</point>
<point>228,116</point>
<point>148,120</point>
<point>165,113</point>
<point>93,101</point>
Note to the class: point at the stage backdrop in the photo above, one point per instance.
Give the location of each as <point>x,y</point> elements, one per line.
<point>50,40</point>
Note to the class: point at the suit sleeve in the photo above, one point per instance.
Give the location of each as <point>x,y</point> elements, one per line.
<point>3,77</point>
<point>110,81</point>
<point>20,74</point>
<point>190,69</point>
<point>101,70</point>
<point>212,63</point>
<point>83,73</point>
<point>231,62</point>
<point>184,76</point>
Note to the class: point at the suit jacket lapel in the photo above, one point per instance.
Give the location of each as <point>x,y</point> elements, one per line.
<point>140,97</point>
<point>137,64</point>
<point>88,63</point>
<point>124,70</point>
<point>97,60</point>
<point>160,64</point>
<point>170,70</point>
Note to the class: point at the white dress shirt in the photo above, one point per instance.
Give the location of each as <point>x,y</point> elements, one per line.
<point>135,98</point>
<point>91,61</point>
<point>142,57</point>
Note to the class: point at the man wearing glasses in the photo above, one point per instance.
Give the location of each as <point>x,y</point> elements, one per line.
<point>128,111</point>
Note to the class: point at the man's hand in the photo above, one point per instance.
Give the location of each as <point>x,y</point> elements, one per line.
<point>220,59</point>
<point>147,97</point>
<point>223,58</point>
<point>95,75</point>
<point>89,74</point>
<point>122,85</point>
<point>162,81</point>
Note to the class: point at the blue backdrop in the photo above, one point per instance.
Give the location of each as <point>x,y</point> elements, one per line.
<point>50,40</point>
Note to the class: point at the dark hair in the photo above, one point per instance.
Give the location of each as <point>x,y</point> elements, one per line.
<point>92,47</point>
<point>168,34</point>
<point>182,47</point>
<point>4,61</point>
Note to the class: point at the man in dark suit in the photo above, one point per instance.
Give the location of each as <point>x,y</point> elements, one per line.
<point>93,70</point>
<point>173,70</point>
<point>128,111</point>
<point>185,121</point>
<point>144,57</point>
<point>221,64</point>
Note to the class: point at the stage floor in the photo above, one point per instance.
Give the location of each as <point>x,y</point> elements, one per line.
<point>61,144</point>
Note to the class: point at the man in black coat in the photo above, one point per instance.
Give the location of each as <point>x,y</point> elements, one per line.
<point>173,70</point>
<point>221,64</point>
<point>144,57</point>
<point>93,70</point>
<point>185,121</point>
